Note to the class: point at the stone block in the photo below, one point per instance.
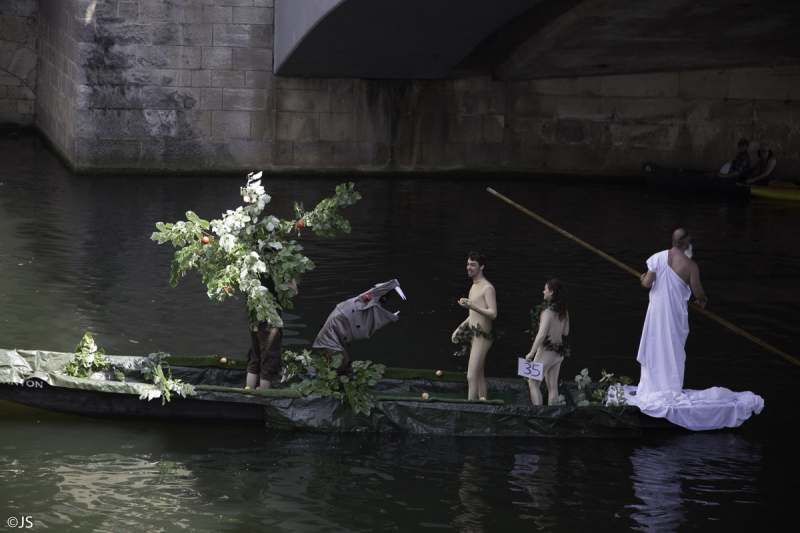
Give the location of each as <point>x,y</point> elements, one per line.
<point>20,92</point>
<point>793,84</point>
<point>26,107</point>
<point>193,124</point>
<point>156,11</point>
<point>570,132</point>
<point>258,79</point>
<point>337,127</point>
<point>264,3</point>
<point>176,78</point>
<point>302,101</point>
<point>23,63</point>
<point>160,123</point>
<point>124,33</point>
<point>201,78</point>
<point>244,99</point>
<point>557,86</point>
<point>282,153</point>
<point>296,126</point>
<point>217,58</point>
<point>211,99</point>
<point>587,108</point>
<point>108,97</point>
<point>230,125</point>
<point>105,153</point>
<point>464,129</point>
<point>662,84</point>
<point>344,155</point>
<point>473,84</point>
<point>188,14</point>
<point>704,84</point>
<point>374,127</point>
<point>227,78</point>
<point>8,105</point>
<point>653,110</point>
<point>231,35</point>
<point>262,125</point>
<point>198,34</point>
<point>758,84</point>
<point>253,15</point>
<point>312,154</point>
<point>190,57</point>
<point>308,84</point>
<point>262,36</point>
<point>253,154</point>
<point>482,155</point>
<point>493,128</point>
<point>343,99</point>
<point>252,59</point>
<point>538,105</point>
<point>170,97</point>
<point>166,35</point>
<point>217,14</point>
<point>151,56</point>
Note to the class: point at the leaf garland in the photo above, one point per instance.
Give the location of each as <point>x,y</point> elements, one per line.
<point>464,336</point>
<point>562,349</point>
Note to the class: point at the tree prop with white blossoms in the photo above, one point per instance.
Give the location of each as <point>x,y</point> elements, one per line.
<point>232,253</point>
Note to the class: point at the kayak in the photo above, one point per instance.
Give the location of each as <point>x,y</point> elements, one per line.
<point>683,179</point>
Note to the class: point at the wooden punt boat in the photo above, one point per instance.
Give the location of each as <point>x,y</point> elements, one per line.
<point>31,378</point>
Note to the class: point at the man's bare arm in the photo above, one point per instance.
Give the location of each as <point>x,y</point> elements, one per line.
<point>647,279</point>
<point>697,289</point>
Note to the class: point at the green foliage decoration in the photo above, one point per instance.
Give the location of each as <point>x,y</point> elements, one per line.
<point>355,387</point>
<point>562,349</point>
<point>600,394</point>
<point>153,370</point>
<point>89,358</point>
<point>464,336</point>
<point>246,244</point>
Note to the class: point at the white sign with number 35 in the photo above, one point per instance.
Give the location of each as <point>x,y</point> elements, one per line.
<point>529,369</point>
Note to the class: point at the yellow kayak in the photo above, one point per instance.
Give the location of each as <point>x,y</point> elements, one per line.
<point>776,193</point>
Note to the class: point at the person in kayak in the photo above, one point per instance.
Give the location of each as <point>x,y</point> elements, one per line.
<point>739,165</point>
<point>764,170</point>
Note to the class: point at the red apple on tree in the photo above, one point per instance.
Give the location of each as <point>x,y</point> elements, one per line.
<point>301,224</point>
<point>205,239</point>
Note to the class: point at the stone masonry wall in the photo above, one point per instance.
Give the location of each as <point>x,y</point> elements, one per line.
<point>18,31</point>
<point>58,72</point>
<point>187,86</point>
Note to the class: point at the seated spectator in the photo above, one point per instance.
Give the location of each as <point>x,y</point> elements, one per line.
<point>764,169</point>
<point>740,164</point>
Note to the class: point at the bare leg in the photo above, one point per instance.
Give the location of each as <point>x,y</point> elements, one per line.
<point>475,376</point>
<point>252,379</point>
<point>551,378</point>
<point>548,360</point>
<point>536,391</point>
<point>265,384</point>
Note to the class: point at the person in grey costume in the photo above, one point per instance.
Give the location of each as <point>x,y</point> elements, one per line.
<point>357,318</point>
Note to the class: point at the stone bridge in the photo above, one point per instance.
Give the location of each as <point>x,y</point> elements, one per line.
<point>571,86</point>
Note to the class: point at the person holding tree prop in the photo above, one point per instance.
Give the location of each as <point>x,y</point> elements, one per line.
<point>235,252</point>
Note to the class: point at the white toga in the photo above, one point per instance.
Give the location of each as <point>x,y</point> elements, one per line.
<point>661,350</point>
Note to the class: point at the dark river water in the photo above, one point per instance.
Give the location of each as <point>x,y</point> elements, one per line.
<point>76,256</point>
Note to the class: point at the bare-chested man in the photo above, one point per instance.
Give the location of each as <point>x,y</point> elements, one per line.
<point>672,278</point>
<point>482,305</point>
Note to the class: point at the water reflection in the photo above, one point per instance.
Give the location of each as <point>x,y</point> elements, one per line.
<point>691,469</point>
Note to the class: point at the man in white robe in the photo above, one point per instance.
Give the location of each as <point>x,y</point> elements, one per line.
<point>672,277</point>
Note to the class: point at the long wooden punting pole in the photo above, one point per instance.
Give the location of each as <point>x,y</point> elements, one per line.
<point>623,266</point>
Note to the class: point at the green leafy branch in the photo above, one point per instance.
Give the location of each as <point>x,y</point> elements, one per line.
<point>600,393</point>
<point>355,387</point>
<point>89,358</point>
<point>153,370</point>
<point>233,253</point>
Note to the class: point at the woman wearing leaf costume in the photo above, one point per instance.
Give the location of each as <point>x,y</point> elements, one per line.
<point>550,322</point>
<point>247,247</point>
